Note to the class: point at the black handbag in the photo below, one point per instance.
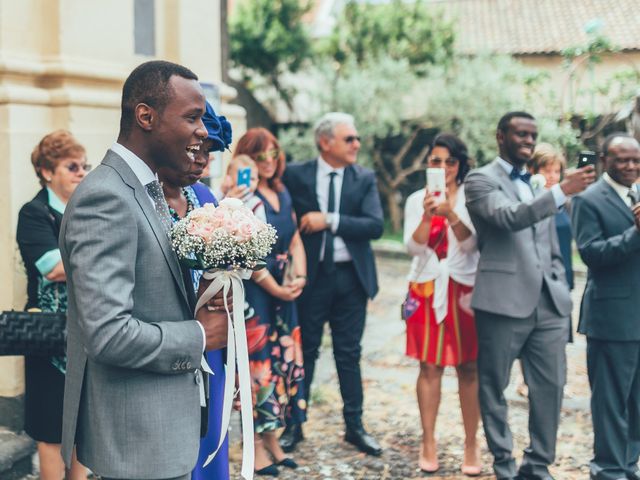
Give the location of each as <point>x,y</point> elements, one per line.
<point>33,333</point>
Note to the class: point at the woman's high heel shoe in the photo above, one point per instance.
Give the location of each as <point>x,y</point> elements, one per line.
<point>288,462</point>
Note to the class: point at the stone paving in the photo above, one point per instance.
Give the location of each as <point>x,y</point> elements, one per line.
<point>391,412</point>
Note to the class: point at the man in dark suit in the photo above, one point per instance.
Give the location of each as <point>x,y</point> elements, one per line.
<point>521,299</point>
<point>606,220</point>
<point>339,213</point>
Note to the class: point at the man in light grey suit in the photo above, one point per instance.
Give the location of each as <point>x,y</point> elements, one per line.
<point>606,220</point>
<point>132,405</point>
<point>521,299</point>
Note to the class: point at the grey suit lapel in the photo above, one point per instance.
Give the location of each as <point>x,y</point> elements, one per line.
<point>116,162</point>
<point>504,180</point>
<point>615,200</point>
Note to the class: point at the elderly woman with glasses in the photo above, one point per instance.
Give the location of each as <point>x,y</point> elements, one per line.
<point>60,163</point>
<point>441,328</point>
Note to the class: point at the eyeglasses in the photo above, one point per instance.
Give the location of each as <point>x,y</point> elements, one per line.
<point>437,161</point>
<point>75,167</point>
<point>351,138</point>
<point>274,153</point>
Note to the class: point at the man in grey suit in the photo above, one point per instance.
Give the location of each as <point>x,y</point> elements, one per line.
<point>521,298</point>
<point>606,221</point>
<point>132,405</point>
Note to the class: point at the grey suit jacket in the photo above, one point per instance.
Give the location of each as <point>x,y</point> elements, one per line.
<point>518,246</point>
<point>131,401</point>
<point>609,244</point>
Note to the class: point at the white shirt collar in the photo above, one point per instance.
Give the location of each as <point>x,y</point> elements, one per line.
<point>619,188</point>
<point>324,169</point>
<point>140,169</point>
<point>509,167</point>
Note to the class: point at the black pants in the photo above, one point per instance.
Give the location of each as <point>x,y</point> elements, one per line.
<point>614,375</point>
<point>337,298</point>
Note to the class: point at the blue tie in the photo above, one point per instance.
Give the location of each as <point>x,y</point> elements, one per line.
<point>517,174</point>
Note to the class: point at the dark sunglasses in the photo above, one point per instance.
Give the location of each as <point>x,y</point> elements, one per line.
<point>352,138</point>
<point>75,167</point>
<point>449,162</point>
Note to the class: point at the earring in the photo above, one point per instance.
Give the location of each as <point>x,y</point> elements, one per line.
<point>48,180</point>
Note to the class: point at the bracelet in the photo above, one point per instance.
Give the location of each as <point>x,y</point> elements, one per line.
<point>262,277</point>
<point>454,223</point>
<point>304,277</point>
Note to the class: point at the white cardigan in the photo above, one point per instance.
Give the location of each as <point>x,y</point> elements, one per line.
<point>462,257</point>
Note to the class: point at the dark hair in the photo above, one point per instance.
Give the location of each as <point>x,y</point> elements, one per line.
<point>254,142</point>
<point>52,149</point>
<point>610,138</point>
<point>503,124</point>
<point>149,84</point>
<point>457,149</point>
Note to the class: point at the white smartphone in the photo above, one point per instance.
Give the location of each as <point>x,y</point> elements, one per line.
<point>436,180</point>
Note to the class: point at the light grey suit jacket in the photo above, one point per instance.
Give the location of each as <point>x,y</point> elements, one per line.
<point>518,246</point>
<point>131,403</point>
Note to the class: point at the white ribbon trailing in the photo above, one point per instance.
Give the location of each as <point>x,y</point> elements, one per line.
<point>441,291</point>
<point>237,355</point>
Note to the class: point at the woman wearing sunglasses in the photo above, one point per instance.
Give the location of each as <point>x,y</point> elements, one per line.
<point>60,163</point>
<point>440,324</point>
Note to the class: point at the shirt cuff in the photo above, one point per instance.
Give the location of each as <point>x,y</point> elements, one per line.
<point>558,195</point>
<point>335,221</point>
<point>48,261</point>
<point>204,337</point>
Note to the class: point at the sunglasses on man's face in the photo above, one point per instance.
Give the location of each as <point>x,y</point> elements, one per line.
<point>352,138</point>
<point>75,167</point>
<point>275,153</point>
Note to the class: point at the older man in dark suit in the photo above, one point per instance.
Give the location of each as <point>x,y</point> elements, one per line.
<point>606,219</point>
<point>339,212</point>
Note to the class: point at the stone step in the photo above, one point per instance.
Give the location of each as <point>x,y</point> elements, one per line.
<point>16,450</point>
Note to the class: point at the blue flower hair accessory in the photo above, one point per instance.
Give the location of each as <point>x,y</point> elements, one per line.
<point>218,129</point>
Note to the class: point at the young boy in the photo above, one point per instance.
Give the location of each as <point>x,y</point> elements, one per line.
<point>230,186</point>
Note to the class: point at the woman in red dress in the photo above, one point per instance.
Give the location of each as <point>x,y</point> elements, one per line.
<point>441,328</point>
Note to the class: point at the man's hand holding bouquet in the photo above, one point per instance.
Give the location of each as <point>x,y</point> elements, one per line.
<point>228,242</point>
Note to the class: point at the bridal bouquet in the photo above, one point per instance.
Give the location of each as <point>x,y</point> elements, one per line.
<point>228,242</point>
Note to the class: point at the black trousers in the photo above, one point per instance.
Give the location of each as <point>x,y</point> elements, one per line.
<point>614,376</point>
<point>337,298</point>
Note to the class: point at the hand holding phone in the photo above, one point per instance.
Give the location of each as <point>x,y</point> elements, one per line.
<point>436,181</point>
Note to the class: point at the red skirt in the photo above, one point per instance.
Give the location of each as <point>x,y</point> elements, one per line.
<point>454,341</point>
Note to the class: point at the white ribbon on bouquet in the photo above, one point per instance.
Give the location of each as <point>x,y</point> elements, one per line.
<point>237,355</point>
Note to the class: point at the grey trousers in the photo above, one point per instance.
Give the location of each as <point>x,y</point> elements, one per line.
<point>539,341</point>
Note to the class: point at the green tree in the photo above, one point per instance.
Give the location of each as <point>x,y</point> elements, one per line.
<point>398,29</point>
<point>268,38</point>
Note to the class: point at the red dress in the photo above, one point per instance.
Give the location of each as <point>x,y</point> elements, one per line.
<point>454,341</point>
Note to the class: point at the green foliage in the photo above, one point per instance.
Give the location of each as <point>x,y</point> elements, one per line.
<point>268,38</point>
<point>398,29</point>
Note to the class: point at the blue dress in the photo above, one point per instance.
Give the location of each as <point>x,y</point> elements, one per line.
<point>218,469</point>
<point>273,335</point>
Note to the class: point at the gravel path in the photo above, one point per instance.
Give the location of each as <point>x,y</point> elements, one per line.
<point>391,412</point>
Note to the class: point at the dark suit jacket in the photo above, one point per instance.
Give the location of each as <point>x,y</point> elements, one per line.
<point>609,244</point>
<point>361,218</point>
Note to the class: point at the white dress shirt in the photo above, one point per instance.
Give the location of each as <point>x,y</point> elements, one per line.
<point>620,189</point>
<point>145,176</point>
<point>323,177</point>
<point>462,257</point>
<point>525,193</point>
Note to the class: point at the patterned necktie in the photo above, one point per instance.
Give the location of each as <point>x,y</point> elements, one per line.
<point>327,262</point>
<point>154,189</point>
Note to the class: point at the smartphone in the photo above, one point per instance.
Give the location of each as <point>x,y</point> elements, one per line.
<point>244,177</point>
<point>436,181</point>
<point>587,157</point>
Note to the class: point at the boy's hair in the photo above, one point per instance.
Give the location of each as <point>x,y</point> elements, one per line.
<point>241,161</point>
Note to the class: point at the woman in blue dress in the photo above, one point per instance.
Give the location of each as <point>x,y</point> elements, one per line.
<point>183,193</point>
<point>273,334</point>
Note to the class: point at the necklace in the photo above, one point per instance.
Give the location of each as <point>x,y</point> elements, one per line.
<point>190,206</point>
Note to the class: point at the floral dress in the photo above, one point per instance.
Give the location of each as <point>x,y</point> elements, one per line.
<point>273,336</point>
